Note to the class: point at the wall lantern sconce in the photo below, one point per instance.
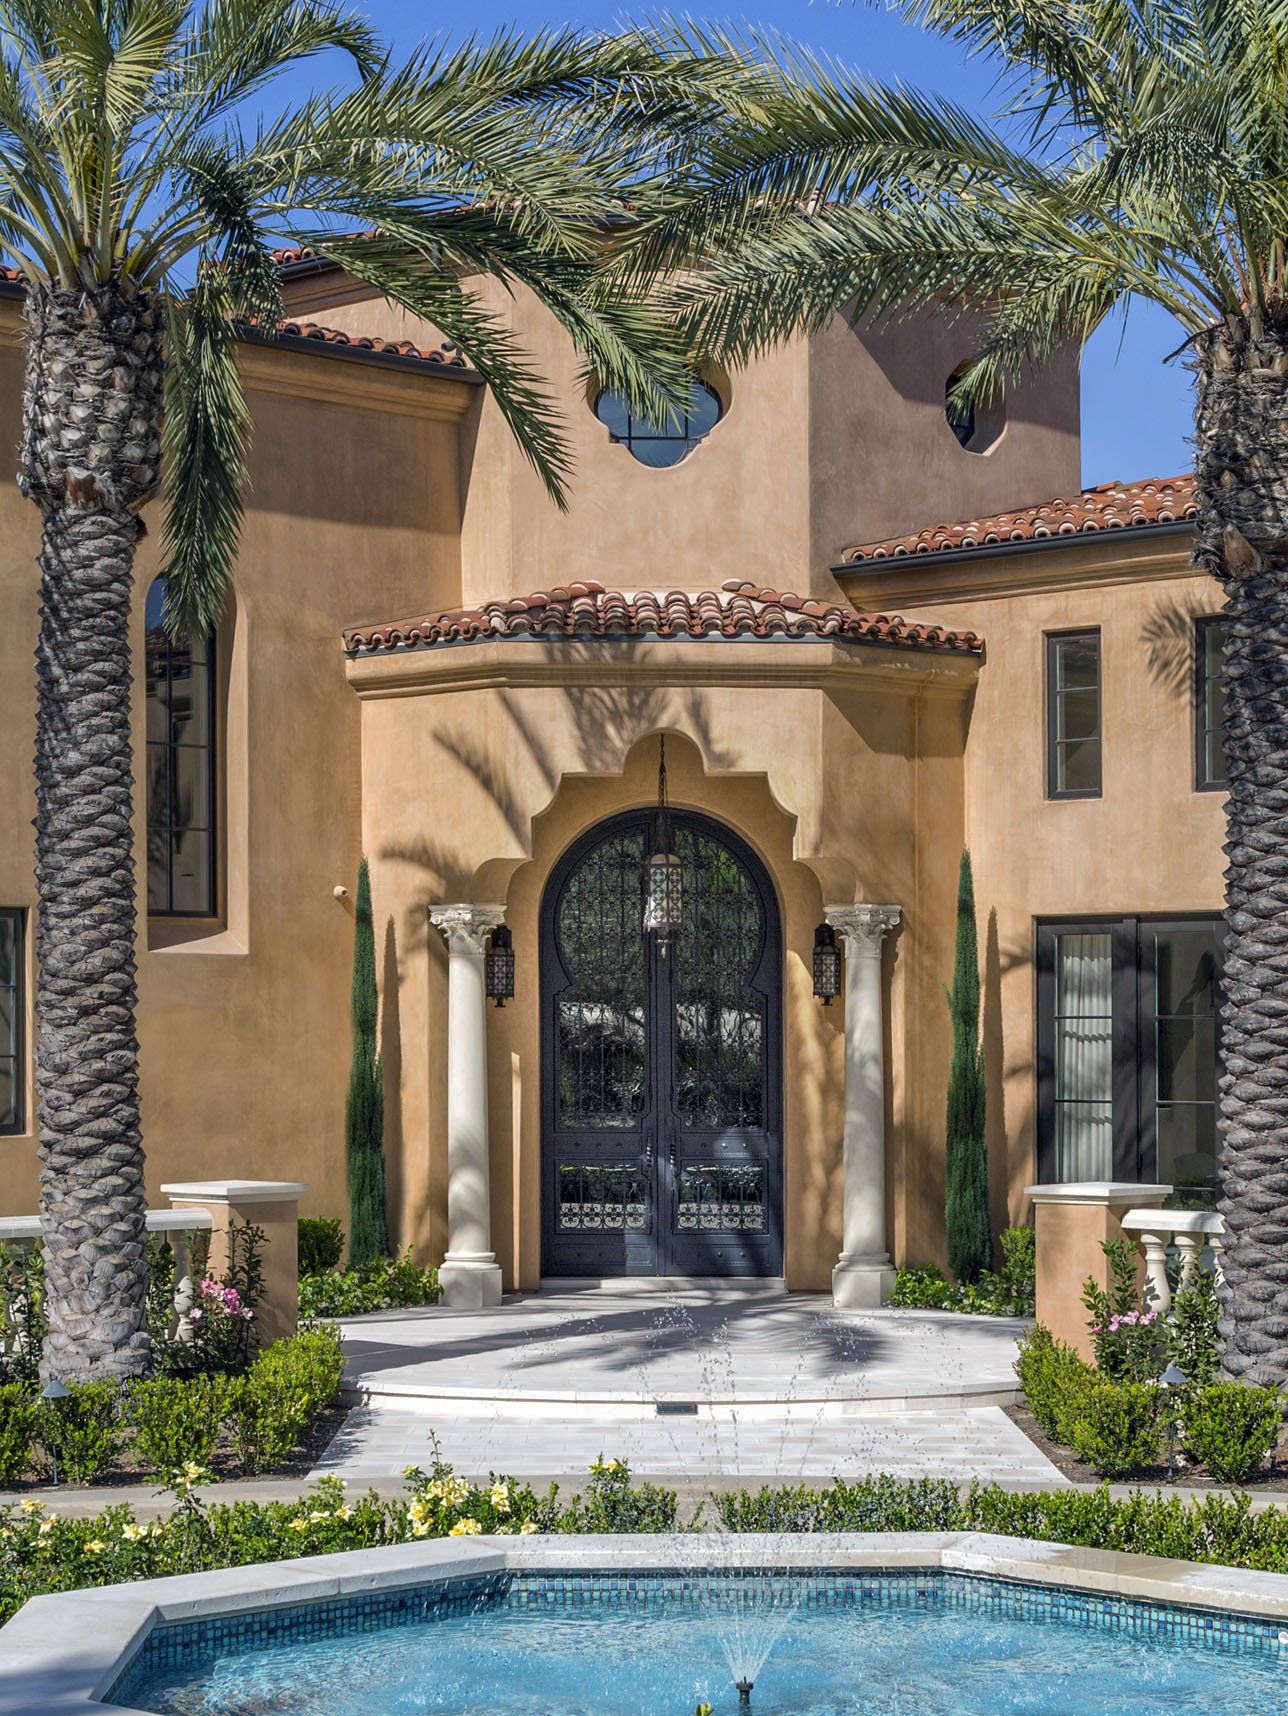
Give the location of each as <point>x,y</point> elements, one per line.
<point>499,966</point>
<point>663,872</point>
<point>827,965</point>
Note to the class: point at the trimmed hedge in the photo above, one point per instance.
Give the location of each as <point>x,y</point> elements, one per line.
<point>41,1552</point>
<point>170,1421</point>
<point>388,1283</point>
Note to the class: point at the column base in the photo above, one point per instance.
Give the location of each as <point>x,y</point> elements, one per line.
<point>862,1283</point>
<point>472,1284</point>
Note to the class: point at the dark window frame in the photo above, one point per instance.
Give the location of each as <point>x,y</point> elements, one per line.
<point>1052,642</point>
<point>211,747</point>
<point>17,916</point>
<point>640,432</point>
<point>1135,1071</point>
<point>1202,730</point>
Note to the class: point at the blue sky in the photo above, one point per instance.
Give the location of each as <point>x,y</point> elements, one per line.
<point>1136,409</point>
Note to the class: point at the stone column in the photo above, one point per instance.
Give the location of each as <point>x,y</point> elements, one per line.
<point>863,1277</point>
<point>273,1207</point>
<point>470,1277</point>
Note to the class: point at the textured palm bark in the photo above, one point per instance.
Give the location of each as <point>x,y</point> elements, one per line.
<point>90,457</point>
<point>1242,538</point>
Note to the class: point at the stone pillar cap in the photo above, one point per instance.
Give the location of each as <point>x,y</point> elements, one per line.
<point>1099,1192</point>
<point>239,1191</point>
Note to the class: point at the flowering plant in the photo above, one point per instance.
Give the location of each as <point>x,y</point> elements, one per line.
<point>1129,1342</point>
<point>214,1332</point>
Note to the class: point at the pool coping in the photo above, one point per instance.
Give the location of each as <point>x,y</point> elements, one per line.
<point>60,1653</point>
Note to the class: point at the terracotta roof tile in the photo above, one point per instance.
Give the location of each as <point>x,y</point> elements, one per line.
<point>588,610</point>
<point>447,356</point>
<point>1110,506</point>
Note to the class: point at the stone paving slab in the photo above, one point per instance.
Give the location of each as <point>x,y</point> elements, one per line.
<point>723,1342</point>
<point>377,1442</point>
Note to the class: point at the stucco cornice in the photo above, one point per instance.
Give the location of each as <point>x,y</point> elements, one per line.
<point>514,664</point>
<point>1078,563</point>
<point>335,376</point>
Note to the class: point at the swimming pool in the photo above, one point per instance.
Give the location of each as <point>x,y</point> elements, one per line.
<point>563,1641</point>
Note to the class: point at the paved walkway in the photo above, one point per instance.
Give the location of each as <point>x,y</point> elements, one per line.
<point>690,1382</point>
<point>754,1345</point>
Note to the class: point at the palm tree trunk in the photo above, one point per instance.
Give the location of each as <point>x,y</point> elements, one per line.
<point>1242,538</point>
<point>90,458</point>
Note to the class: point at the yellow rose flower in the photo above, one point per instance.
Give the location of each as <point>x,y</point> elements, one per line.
<point>465,1528</point>
<point>528,1527</point>
<point>319,1513</point>
<point>298,1524</point>
<point>344,1513</point>
<point>500,1497</point>
<point>132,1533</point>
<point>31,1505</point>
<point>95,1546</point>
<point>420,1528</point>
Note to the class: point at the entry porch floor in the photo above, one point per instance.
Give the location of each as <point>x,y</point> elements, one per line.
<point>695,1379</point>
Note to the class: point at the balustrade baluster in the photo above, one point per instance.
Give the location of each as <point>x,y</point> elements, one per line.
<point>181,1328</point>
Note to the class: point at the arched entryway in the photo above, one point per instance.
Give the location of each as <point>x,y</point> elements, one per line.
<point>661,1069</point>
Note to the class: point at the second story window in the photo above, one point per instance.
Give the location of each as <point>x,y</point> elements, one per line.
<point>1073,714</point>
<point>1209,706</point>
<point>660,444</point>
<point>181,769</point>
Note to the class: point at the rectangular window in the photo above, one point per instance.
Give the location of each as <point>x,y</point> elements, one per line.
<point>1073,714</point>
<point>181,770</point>
<point>12,1013</point>
<point>1129,1051</point>
<point>1209,706</point>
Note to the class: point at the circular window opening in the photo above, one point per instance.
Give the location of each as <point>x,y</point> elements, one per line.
<point>977,425</point>
<point>660,445</point>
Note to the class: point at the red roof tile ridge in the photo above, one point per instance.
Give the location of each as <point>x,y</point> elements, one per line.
<point>1106,506</point>
<point>446,356</point>
<point>584,607</point>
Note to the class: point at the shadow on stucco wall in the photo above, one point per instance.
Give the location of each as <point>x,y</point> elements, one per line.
<point>1168,636</point>
<point>391,1068</point>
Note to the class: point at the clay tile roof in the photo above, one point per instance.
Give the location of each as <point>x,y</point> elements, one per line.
<point>739,609</point>
<point>446,356</point>
<point>1110,506</point>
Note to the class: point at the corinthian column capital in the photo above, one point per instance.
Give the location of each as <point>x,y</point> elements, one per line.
<point>466,927</point>
<point>862,928</point>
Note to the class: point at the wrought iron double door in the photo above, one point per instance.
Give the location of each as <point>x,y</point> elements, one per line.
<point>661,1088</point>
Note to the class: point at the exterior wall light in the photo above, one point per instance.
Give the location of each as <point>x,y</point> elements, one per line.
<point>663,871</point>
<point>827,965</point>
<point>499,966</point>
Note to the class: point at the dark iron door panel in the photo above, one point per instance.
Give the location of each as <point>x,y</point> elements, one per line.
<point>661,1065</point>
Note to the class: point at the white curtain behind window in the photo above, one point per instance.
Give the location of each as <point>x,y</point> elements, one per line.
<point>1084,1109</point>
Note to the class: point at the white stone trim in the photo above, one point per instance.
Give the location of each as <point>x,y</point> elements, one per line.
<point>1099,1192</point>
<point>60,1654</point>
<point>238,1191</point>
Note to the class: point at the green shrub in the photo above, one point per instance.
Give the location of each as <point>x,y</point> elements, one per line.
<point>84,1432</point>
<point>1116,1427</point>
<point>321,1243</point>
<point>19,1414</point>
<point>918,1286</point>
<point>1053,1377</point>
<point>1192,1344</point>
<point>611,1501</point>
<point>271,1406</point>
<point>387,1284</point>
<point>1020,1267</point>
<point>1231,1427</point>
<point>177,1419</point>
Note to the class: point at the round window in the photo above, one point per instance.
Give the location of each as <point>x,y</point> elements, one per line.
<point>665,444</point>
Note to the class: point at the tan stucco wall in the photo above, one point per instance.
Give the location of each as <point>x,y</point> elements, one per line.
<point>825,442</point>
<point>473,793</point>
<point>243,1024</point>
<point>1150,843</point>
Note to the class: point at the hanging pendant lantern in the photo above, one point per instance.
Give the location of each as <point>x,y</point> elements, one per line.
<point>498,966</point>
<point>663,872</point>
<point>827,964</point>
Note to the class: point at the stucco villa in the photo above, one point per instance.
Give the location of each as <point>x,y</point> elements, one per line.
<point>427,662</point>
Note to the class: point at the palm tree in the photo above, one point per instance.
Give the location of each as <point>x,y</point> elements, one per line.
<point>142,219</point>
<point>1141,151</point>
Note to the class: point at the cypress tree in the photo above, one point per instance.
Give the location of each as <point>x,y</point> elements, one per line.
<point>364,1110</point>
<point>966,1175</point>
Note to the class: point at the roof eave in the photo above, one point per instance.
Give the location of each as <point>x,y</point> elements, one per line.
<point>1025,545</point>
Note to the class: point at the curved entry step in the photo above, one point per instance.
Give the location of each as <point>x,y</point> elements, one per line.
<point>618,1355</point>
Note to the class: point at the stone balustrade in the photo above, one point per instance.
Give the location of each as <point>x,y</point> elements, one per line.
<point>210,1207</point>
<point>1157,1231</point>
